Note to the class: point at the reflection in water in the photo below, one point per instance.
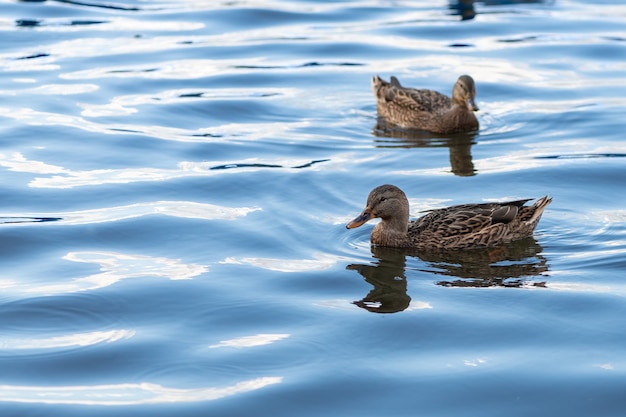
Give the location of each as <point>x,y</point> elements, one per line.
<point>125,394</point>
<point>505,266</point>
<point>320,262</point>
<point>115,267</point>
<point>182,209</point>
<point>387,276</point>
<point>15,219</point>
<point>66,341</point>
<point>251,341</point>
<point>55,176</point>
<point>217,133</point>
<point>126,105</point>
<point>459,144</point>
<point>51,89</point>
<point>465,8</point>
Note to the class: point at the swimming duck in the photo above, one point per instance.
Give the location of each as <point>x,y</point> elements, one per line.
<point>430,110</point>
<point>464,226</point>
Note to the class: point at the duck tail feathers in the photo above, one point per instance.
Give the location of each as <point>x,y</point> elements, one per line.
<point>539,206</point>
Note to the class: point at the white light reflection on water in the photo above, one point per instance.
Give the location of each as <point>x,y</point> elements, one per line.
<point>474,362</point>
<point>320,262</point>
<point>116,267</point>
<point>116,25</point>
<point>66,178</point>
<point>67,341</point>
<point>419,305</point>
<point>610,216</point>
<point>53,89</point>
<point>188,69</point>
<point>344,304</point>
<point>212,134</point>
<point>126,394</point>
<point>85,47</point>
<point>250,341</point>
<point>183,209</point>
<point>529,158</point>
<point>126,105</point>
<point>583,288</point>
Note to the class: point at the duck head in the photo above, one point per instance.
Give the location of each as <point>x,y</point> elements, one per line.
<point>389,203</point>
<point>464,92</point>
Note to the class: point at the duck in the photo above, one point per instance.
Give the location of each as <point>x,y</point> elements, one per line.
<point>465,226</point>
<point>422,109</point>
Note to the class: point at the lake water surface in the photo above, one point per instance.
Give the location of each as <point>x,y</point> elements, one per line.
<point>177,176</point>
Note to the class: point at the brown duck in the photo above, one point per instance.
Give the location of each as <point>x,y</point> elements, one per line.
<point>464,226</point>
<point>411,108</point>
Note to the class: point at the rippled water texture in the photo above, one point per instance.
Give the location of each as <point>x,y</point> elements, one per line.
<point>176,177</point>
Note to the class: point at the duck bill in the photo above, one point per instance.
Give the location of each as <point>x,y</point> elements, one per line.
<point>472,105</point>
<point>359,221</point>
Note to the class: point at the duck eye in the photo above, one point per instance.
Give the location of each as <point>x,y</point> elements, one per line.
<point>382,199</point>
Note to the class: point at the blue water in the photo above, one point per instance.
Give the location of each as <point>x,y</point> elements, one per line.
<point>176,177</point>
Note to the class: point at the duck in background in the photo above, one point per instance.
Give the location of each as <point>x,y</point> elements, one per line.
<point>411,108</point>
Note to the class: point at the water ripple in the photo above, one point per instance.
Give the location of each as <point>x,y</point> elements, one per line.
<point>114,267</point>
<point>125,291</point>
<point>182,209</point>
<point>126,394</point>
<point>66,341</point>
<point>250,341</point>
<point>320,262</point>
<point>214,134</point>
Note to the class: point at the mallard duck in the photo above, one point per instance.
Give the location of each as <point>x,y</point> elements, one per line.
<point>464,226</point>
<point>411,108</point>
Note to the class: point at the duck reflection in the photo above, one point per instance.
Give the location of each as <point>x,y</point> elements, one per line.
<point>459,144</point>
<point>504,266</point>
<point>465,8</point>
<point>508,265</point>
<point>389,294</point>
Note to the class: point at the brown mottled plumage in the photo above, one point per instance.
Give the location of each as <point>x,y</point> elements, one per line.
<point>465,226</point>
<point>411,108</point>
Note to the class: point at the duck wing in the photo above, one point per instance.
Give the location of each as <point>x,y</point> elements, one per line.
<point>419,100</point>
<point>427,101</point>
<point>465,219</point>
